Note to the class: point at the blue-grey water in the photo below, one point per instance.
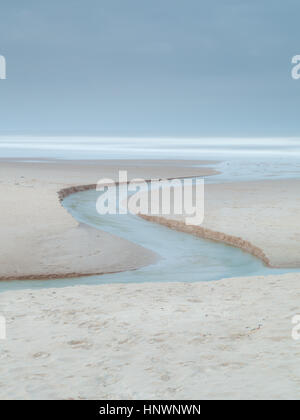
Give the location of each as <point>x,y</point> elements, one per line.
<point>240,159</point>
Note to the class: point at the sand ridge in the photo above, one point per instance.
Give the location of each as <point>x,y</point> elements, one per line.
<point>260,217</point>
<point>209,234</point>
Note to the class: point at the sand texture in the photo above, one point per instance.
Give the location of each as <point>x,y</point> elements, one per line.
<point>226,339</point>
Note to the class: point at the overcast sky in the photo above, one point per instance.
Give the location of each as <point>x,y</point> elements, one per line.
<point>163,67</point>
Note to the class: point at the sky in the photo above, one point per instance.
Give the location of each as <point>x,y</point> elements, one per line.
<point>159,67</point>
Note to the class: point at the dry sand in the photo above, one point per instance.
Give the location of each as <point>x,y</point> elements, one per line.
<point>226,339</point>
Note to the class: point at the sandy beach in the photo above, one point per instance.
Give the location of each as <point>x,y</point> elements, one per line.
<point>121,277</point>
<point>226,339</point>
<point>229,339</point>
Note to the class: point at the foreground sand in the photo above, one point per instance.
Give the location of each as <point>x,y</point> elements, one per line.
<point>226,339</point>
<point>39,239</point>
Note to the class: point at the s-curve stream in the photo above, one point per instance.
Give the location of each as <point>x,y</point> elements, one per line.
<point>182,257</point>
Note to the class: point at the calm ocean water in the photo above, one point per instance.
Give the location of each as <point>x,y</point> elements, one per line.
<point>239,158</point>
